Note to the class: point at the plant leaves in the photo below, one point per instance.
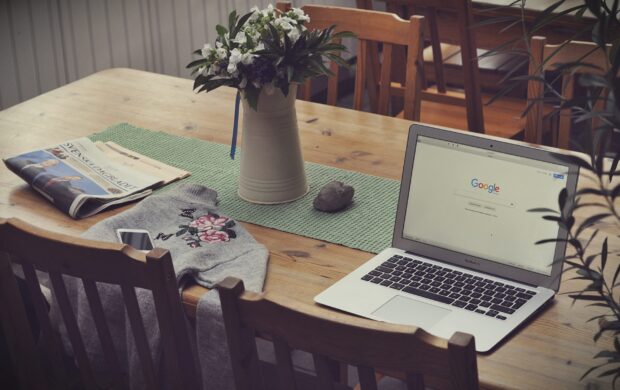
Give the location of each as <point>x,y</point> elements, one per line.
<point>587,297</point>
<point>604,254</point>
<point>591,220</point>
<point>542,210</point>
<point>221,30</point>
<point>196,63</point>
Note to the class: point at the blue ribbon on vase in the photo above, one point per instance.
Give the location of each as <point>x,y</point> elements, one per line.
<point>233,142</point>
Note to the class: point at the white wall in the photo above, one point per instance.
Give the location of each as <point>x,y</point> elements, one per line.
<point>47,43</point>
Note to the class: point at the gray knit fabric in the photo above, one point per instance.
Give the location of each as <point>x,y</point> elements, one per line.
<point>205,247</point>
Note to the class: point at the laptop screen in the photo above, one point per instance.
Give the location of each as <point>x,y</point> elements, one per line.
<point>475,201</point>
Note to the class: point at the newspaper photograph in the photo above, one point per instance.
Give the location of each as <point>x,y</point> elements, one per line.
<point>82,178</point>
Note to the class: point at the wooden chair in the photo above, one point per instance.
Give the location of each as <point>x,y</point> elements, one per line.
<point>424,358</point>
<point>373,26</point>
<point>458,60</point>
<point>42,366</point>
<point>436,53</point>
<point>545,58</point>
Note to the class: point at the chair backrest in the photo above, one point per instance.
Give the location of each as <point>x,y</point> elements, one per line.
<point>41,366</point>
<point>371,27</point>
<point>472,98</point>
<point>546,57</point>
<point>360,343</point>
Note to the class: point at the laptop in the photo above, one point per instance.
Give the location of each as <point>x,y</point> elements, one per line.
<point>464,254</point>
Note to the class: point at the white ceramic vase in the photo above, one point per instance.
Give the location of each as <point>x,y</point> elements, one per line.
<point>272,166</point>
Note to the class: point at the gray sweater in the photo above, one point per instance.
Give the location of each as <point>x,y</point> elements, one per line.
<point>205,247</point>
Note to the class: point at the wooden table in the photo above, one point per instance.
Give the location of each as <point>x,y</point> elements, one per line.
<point>551,352</point>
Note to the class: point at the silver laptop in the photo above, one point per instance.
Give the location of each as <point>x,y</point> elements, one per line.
<point>464,254</point>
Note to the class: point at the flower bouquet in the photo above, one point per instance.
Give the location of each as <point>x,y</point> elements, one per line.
<point>265,49</point>
<point>265,54</point>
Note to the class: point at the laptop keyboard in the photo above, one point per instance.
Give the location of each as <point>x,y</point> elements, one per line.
<point>474,293</point>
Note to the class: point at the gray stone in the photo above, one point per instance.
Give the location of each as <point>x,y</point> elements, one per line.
<point>334,196</point>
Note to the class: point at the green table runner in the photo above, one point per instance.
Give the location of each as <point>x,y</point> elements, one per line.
<point>367,224</point>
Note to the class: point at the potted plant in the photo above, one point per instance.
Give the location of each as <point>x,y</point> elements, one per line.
<point>265,54</point>
<point>598,101</point>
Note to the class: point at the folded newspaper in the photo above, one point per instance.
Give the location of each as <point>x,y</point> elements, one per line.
<point>82,178</point>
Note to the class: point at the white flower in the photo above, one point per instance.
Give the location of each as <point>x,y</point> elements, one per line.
<point>301,15</point>
<point>260,46</point>
<point>293,35</point>
<point>285,22</point>
<point>206,50</point>
<point>218,44</point>
<point>221,53</point>
<point>285,25</point>
<point>247,58</point>
<point>240,38</point>
<point>267,12</point>
<point>243,83</point>
<point>235,58</point>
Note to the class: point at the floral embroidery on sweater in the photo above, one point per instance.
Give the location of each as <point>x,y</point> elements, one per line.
<point>209,228</point>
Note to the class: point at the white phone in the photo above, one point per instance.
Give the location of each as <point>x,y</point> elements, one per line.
<point>139,239</point>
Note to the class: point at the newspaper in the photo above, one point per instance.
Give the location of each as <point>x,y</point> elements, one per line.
<point>82,178</point>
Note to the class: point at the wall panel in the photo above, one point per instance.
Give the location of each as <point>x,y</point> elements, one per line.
<point>100,36</point>
<point>26,58</point>
<point>47,43</point>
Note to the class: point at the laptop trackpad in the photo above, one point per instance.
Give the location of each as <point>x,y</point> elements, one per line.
<point>401,310</point>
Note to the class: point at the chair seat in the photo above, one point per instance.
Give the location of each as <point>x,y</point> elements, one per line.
<point>501,119</point>
<point>492,68</point>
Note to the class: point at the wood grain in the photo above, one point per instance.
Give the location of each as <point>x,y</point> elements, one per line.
<point>552,351</point>
<point>363,344</point>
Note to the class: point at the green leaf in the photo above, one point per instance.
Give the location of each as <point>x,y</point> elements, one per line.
<point>562,198</point>
<point>232,19</point>
<point>200,80</point>
<point>575,160</point>
<point>616,275</point>
<point>241,23</point>
<point>553,218</point>
<point>582,297</point>
<point>197,63</point>
<point>609,325</point>
<point>610,372</point>
<point>604,254</point>
<point>251,94</point>
<point>606,354</point>
<point>591,369</point>
<point>542,210</point>
<point>553,240</point>
<point>591,220</point>
<point>591,191</point>
<point>221,30</point>
<point>214,84</point>
<point>338,60</point>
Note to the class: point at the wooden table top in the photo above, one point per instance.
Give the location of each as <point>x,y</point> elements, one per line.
<point>551,352</point>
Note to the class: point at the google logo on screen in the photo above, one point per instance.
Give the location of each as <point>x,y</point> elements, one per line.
<point>490,188</point>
